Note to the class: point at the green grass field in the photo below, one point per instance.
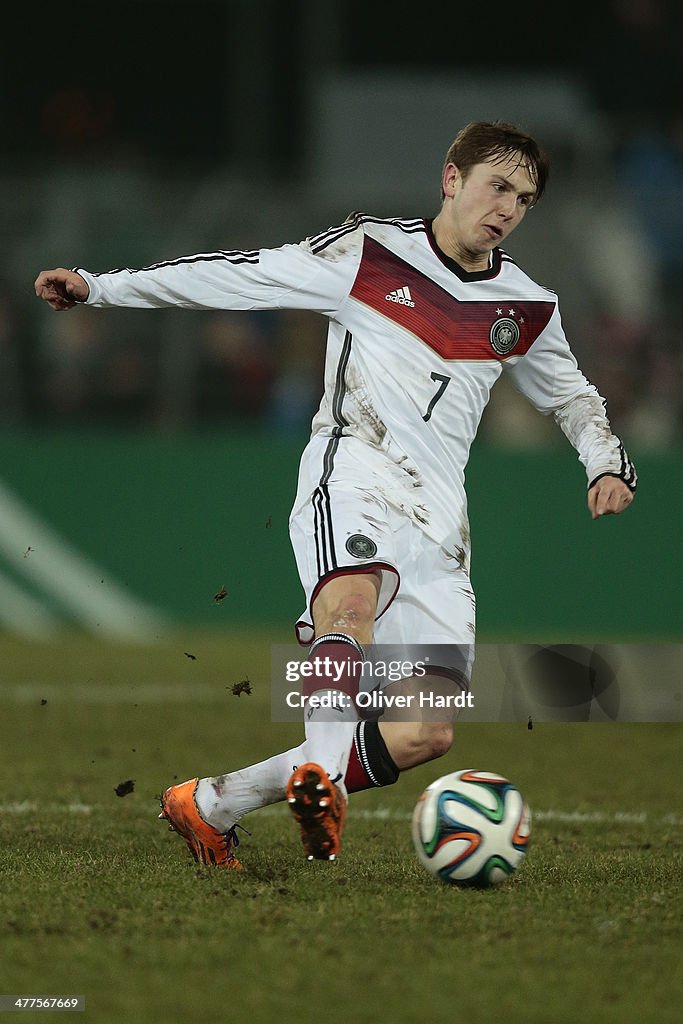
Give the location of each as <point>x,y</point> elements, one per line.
<point>98,899</point>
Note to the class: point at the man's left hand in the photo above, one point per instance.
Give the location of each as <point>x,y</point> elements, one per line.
<point>608,496</point>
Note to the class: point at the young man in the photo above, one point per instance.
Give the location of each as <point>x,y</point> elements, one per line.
<point>424,317</point>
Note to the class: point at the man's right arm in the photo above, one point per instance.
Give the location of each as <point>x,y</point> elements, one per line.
<point>290,277</point>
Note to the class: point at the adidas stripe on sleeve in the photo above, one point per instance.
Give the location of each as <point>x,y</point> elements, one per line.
<point>315,274</point>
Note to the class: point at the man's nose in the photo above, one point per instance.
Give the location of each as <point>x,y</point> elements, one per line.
<point>507,206</point>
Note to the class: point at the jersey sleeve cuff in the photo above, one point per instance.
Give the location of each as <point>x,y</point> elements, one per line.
<point>626,471</point>
<point>93,290</point>
<point>630,483</point>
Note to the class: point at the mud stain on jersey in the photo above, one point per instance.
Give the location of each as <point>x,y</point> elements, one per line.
<point>371,521</point>
<point>372,419</point>
<point>584,412</point>
<point>357,393</point>
<point>349,244</point>
<point>459,554</point>
<point>337,251</point>
<point>456,547</point>
<point>410,469</point>
<point>421,513</point>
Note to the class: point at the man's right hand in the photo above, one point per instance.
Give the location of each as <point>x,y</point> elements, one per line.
<point>61,288</point>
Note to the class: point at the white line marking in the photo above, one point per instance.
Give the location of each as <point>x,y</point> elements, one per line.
<point>106,693</point>
<point>32,807</point>
<point>364,814</point>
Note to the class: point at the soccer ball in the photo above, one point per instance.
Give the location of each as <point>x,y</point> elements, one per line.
<point>471,828</point>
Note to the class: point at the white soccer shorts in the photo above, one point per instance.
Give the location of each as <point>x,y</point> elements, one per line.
<point>425,596</point>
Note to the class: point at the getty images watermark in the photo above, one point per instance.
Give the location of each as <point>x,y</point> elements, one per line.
<point>528,683</point>
<point>329,672</point>
<point>405,682</point>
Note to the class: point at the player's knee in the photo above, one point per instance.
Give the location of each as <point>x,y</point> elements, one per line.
<point>429,741</point>
<point>413,744</point>
<point>438,739</point>
<point>352,613</point>
<point>356,609</point>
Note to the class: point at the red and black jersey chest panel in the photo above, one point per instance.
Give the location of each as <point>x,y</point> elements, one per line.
<point>454,328</point>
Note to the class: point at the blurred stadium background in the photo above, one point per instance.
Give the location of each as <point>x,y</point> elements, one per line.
<point>148,464</point>
<point>148,460</point>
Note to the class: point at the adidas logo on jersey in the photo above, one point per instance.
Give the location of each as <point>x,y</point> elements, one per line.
<point>400,295</point>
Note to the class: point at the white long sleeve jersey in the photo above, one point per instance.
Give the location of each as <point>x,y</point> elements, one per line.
<point>414,346</point>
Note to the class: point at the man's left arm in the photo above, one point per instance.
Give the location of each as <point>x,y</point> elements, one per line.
<point>549,377</point>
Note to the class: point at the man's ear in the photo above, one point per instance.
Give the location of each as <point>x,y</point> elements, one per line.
<point>450,179</point>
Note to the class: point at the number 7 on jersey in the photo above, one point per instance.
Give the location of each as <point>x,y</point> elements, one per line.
<point>444,382</point>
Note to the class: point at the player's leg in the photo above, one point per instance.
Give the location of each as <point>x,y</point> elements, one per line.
<point>435,602</point>
<point>207,844</point>
<point>345,554</point>
<point>343,603</point>
<point>344,611</point>
<point>346,603</point>
<point>205,811</point>
<point>413,743</point>
<point>382,749</point>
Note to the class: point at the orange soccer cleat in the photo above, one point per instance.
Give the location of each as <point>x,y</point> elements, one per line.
<point>320,809</point>
<point>207,844</point>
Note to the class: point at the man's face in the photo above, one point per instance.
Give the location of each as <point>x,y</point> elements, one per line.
<point>488,204</point>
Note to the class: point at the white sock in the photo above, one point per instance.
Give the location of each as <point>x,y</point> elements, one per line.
<point>224,799</point>
<point>328,742</point>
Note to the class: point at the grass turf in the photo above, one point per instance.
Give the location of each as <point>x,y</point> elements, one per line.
<point>96,898</point>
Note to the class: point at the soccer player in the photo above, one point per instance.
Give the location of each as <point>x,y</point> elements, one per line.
<point>424,317</point>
